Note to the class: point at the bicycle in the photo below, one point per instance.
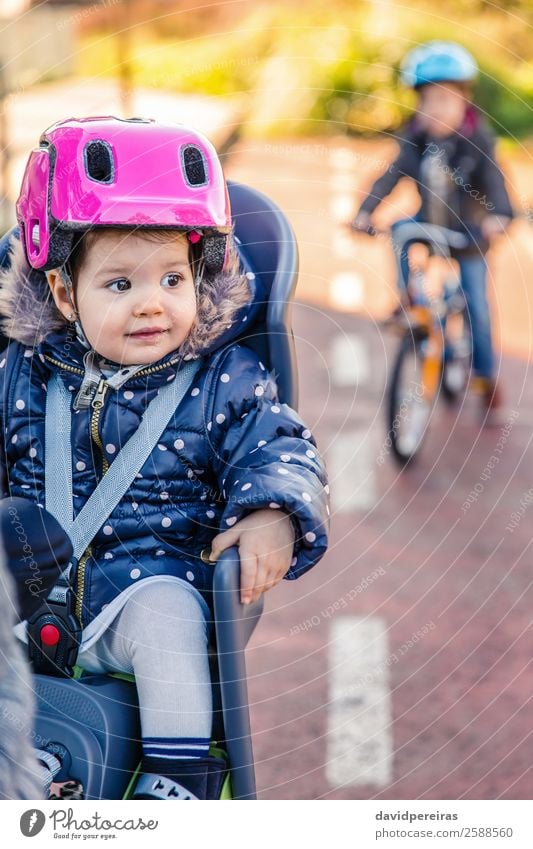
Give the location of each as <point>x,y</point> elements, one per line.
<point>435,350</point>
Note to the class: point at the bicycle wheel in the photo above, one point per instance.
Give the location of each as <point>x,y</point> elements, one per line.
<point>457,363</point>
<point>409,403</point>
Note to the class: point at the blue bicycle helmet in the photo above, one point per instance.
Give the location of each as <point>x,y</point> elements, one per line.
<point>438,62</point>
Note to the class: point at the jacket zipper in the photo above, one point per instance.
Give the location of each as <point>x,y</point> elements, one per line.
<point>80,581</point>
<point>142,373</point>
<point>97,404</point>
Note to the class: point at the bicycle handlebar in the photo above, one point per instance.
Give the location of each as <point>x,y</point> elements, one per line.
<point>440,239</point>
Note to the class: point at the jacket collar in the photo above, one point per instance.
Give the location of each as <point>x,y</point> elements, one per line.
<point>62,350</point>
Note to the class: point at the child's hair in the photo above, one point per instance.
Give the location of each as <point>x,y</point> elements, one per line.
<point>86,240</point>
<point>466,88</point>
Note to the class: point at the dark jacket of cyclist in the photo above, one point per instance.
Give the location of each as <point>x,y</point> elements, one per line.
<point>457,177</point>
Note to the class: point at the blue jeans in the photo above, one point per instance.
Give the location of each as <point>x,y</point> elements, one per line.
<point>473,273</point>
<point>474,285</point>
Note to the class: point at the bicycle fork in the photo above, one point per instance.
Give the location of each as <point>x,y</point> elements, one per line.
<point>432,364</point>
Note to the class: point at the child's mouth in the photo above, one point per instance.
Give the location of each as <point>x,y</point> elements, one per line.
<point>148,334</point>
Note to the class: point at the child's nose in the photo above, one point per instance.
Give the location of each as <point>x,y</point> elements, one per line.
<point>149,301</point>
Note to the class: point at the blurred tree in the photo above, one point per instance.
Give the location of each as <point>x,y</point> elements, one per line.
<point>340,61</point>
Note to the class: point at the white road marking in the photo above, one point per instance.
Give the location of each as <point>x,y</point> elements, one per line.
<point>351,473</point>
<point>347,290</point>
<point>348,360</point>
<point>344,246</point>
<point>341,181</point>
<point>359,741</point>
<point>341,207</point>
<point>341,158</point>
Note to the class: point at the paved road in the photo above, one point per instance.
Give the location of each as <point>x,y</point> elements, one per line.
<point>401,667</point>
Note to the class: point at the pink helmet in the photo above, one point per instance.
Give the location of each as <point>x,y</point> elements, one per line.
<point>108,172</point>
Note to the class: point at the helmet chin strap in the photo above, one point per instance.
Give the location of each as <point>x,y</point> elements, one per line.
<point>199,276</point>
<point>93,362</point>
<point>80,335</point>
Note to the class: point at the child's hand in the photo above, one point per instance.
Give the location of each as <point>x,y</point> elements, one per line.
<point>494,225</point>
<point>266,540</point>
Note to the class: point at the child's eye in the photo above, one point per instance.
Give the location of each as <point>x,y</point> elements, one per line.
<point>171,279</point>
<point>120,285</point>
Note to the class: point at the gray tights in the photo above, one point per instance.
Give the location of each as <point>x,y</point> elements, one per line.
<point>161,637</point>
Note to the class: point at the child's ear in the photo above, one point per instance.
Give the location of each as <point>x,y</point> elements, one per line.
<point>60,292</point>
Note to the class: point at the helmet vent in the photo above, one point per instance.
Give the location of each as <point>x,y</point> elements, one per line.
<point>194,165</point>
<point>99,163</point>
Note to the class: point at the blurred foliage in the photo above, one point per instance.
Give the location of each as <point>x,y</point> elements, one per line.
<point>307,67</point>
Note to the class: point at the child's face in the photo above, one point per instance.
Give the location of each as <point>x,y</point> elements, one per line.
<point>441,108</point>
<point>135,296</point>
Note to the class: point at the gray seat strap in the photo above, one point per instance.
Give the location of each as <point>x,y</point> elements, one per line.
<point>58,453</point>
<point>126,465</point>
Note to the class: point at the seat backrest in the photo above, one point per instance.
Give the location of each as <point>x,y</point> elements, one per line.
<point>268,245</point>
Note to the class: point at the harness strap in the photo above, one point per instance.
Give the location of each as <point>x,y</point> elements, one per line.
<point>126,465</point>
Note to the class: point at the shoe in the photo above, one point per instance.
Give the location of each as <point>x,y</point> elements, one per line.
<point>197,779</point>
<point>160,787</point>
<point>491,403</point>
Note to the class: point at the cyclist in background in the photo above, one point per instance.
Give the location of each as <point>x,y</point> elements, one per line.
<point>448,150</point>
